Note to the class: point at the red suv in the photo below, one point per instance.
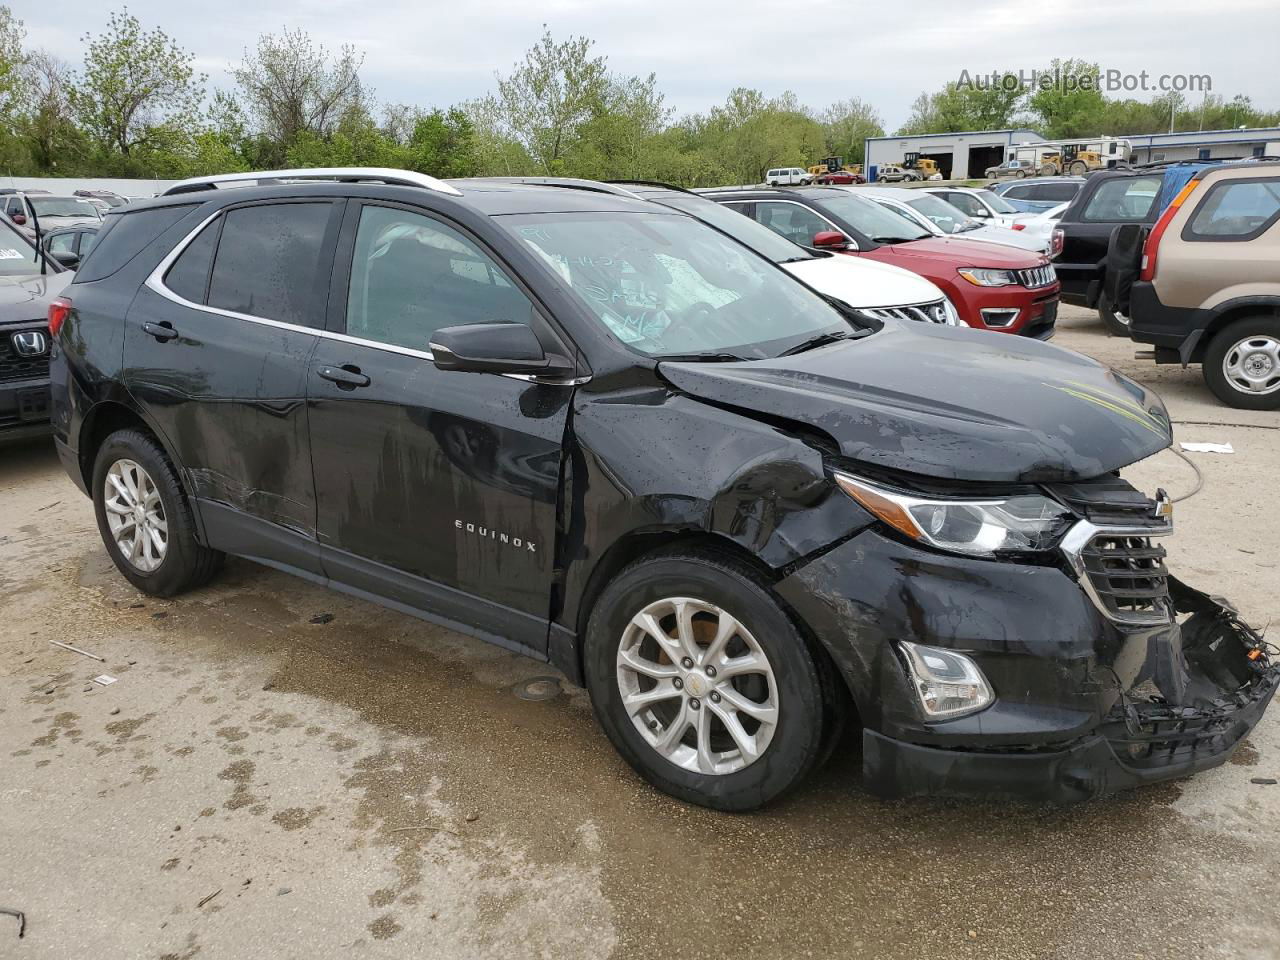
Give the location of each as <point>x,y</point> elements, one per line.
<point>993,287</point>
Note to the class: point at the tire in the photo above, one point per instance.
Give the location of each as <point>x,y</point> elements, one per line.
<point>1079,168</point>
<point>183,563</point>
<point>1048,170</point>
<point>1117,324</point>
<point>1019,174</point>
<point>723,775</point>
<point>1252,338</point>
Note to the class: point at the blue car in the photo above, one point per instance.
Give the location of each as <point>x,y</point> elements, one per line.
<point>1037,194</point>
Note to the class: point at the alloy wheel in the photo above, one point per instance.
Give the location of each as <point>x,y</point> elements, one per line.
<point>1252,365</point>
<point>697,685</point>
<point>135,515</point>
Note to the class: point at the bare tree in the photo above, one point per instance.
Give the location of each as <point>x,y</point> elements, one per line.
<point>291,86</point>
<point>50,124</point>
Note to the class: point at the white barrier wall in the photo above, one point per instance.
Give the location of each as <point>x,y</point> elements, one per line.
<point>65,186</point>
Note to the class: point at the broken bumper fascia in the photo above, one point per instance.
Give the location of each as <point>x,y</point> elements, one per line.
<point>1068,722</point>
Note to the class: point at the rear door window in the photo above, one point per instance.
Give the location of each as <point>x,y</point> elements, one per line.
<point>1057,192</point>
<point>1236,210</point>
<point>1124,199</point>
<point>970,206</point>
<point>268,262</point>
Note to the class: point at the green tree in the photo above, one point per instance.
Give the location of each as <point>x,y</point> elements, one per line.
<point>981,103</point>
<point>291,86</point>
<point>443,144</point>
<point>549,96</point>
<point>1068,107</point>
<point>55,142</point>
<point>846,126</point>
<point>137,87</point>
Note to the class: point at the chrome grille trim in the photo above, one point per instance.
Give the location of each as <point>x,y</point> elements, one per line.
<point>1042,276</point>
<point>1101,555</point>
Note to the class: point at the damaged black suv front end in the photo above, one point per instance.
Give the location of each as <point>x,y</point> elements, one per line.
<point>1055,674</point>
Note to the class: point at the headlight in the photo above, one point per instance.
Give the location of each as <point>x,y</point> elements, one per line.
<point>948,684</point>
<point>953,317</point>
<point>982,277</point>
<point>977,527</point>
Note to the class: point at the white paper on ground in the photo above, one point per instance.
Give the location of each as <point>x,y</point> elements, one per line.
<point>1207,447</point>
<point>105,680</point>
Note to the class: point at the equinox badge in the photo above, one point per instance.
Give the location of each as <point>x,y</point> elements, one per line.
<point>491,534</point>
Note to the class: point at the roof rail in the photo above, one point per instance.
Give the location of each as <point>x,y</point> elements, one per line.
<point>651,183</point>
<point>570,183</point>
<point>404,178</point>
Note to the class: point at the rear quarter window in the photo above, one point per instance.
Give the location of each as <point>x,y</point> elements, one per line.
<point>1238,210</point>
<point>122,237</point>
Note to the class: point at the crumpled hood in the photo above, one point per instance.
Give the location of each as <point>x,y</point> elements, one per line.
<point>949,403</point>
<point>27,297</point>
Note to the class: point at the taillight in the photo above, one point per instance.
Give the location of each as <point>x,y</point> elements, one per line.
<point>58,312</point>
<point>1056,242</point>
<point>1019,226</point>
<point>1148,272</point>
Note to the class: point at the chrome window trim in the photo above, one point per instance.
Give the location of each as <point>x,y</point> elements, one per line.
<point>1081,535</point>
<point>155,282</point>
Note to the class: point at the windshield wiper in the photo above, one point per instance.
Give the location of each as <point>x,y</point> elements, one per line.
<point>702,357</point>
<point>895,239</point>
<point>821,340</point>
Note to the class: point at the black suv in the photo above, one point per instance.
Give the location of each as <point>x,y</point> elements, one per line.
<point>603,434</point>
<point>29,284</point>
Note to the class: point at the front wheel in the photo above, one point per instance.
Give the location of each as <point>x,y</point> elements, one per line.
<point>145,518</point>
<point>1117,323</point>
<point>1242,364</point>
<point>703,683</point>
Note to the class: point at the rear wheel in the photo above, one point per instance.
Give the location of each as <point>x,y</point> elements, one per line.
<point>703,683</point>
<point>1117,323</point>
<point>1242,364</point>
<point>145,519</point>
<point>1079,168</point>
<point>1019,174</point>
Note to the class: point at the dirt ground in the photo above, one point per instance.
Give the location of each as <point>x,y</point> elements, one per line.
<point>258,784</point>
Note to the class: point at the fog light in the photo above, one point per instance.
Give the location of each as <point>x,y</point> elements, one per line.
<point>1000,316</point>
<point>948,684</point>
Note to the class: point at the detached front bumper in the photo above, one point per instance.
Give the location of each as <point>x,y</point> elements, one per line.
<point>1085,705</point>
<point>1089,768</point>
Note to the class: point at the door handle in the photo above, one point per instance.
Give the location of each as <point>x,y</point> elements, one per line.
<point>348,377</point>
<point>162,331</point>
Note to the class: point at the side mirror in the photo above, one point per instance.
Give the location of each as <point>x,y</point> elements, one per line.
<point>66,258</point>
<point>830,240</point>
<point>19,218</point>
<point>495,348</point>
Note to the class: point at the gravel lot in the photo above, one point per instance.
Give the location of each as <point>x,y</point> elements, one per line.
<point>257,784</point>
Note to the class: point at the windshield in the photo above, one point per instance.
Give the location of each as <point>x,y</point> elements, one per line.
<point>872,220</point>
<point>17,256</point>
<point>941,214</point>
<point>62,207</point>
<point>667,285</point>
<point>742,228</point>
<point>996,202</point>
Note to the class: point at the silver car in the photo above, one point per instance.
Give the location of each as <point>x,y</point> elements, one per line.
<point>942,219</point>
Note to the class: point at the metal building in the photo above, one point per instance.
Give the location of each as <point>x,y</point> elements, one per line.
<point>958,155</point>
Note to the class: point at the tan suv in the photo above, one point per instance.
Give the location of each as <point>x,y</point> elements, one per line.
<point>1208,281</point>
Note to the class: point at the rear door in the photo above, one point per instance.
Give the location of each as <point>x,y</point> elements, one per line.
<point>216,350</point>
<point>437,489</point>
<point>1105,205</point>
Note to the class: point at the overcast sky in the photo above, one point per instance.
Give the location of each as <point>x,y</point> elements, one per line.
<point>434,54</point>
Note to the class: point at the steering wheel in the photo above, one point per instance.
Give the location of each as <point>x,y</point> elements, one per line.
<point>693,314</point>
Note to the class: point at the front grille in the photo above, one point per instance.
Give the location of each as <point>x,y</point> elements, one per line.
<point>13,366</point>
<point>1128,577</point>
<point>1037,276</point>
<point>935,312</point>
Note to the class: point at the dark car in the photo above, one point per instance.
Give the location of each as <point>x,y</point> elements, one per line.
<point>1038,195</point>
<point>28,285</point>
<point>602,434</point>
<point>993,286</point>
<point>1110,199</point>
<point>69,245</point>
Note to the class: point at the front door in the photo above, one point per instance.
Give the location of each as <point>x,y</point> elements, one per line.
<point>436,489</point>
<point>216,350</point>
